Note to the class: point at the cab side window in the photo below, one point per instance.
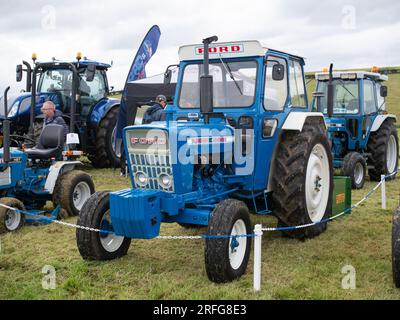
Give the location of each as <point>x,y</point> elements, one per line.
<point>369,97</point>
<point>297,86</point>
<point>275,91</point>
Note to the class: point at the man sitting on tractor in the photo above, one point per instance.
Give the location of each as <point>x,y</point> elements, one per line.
<point>156,112</point>
<point>53,116</point>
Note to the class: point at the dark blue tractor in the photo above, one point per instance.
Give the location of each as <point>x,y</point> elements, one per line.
<point>238,135</point>
<point>362,134</point>
<point>29,177</point>
<point>80,92</point>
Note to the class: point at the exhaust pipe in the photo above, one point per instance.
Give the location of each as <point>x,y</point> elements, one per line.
<point>206,83</point>
<point>6,130</point>
<point>331,90</point>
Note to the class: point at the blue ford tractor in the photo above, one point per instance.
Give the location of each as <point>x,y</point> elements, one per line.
<point>363,135</point>
<point>239,135</point>
<point>79,89</point>
<point>29,177</point>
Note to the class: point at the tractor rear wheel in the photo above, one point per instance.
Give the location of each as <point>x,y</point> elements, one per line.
<point>11,220</point>
<point>396,247</point>
<point>226,258</point>
<point>99,245</point>
<point>106,155</point>
<point>73,188</point>
<point>384,148</point>
<point>303,180</point>
<point>355,167</point>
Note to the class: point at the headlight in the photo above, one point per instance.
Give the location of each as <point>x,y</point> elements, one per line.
<point>141,179</point>
<point>14,110</point>
<point>165,180</point>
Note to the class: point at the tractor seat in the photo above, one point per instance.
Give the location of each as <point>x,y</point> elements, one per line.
<point>51,143</point>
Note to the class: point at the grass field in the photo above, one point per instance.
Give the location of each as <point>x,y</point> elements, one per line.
<point>174,269</point>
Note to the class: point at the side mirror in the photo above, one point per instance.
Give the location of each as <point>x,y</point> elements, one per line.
<point>384,91</point>
<point>90,72</point>
<point>278,72</point>
<point>19,73</point>
<point>167,76</point>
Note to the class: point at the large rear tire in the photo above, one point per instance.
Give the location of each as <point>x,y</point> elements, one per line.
<point>384,148</point>
<point>96,245</point>
<point>73,188</point>
<point>396,247</point>
<point>10,220</point>
<point>303,180</point>
<point>226,258</point>
<point>106,155</point>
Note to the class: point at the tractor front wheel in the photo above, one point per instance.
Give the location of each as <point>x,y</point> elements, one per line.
<point>99,245</point>
<point>72,190</point>
<point>226,258</point>
<point>396,247</point>
<point>355,167</point>
<point>11,220</point>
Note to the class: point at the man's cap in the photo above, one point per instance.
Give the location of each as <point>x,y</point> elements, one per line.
<point>161,97</point>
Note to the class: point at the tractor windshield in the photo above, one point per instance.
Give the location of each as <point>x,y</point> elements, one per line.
<point>345,98</point>
<point>55,80</point>
<point>234,84</point>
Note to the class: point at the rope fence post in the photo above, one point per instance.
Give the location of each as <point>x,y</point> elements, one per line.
<point>257,257</point>
<point>383,191</point>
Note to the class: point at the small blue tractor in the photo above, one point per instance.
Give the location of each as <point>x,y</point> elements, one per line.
<point>239,135</point>
<point>29,177</point>
<point>396,247</point>
<point>79,89</point>
<point>363,135</point>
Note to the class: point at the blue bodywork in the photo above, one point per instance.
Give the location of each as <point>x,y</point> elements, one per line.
<point>196,187</point>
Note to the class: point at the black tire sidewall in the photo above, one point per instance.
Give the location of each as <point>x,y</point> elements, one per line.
<point>318,139</point>
<point>15,203</point>
<point>217,250</point>
<point>349,165</point>
<point>91,215</point>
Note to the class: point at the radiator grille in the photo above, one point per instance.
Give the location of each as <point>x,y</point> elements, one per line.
<point>152,165</point>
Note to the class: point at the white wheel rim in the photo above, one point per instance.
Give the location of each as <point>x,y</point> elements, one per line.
<point>391,154</point>
<point>110,242</point>
<point>12,220</point>
<point>116,149</point>
<point>81,194</point>
<point>358,173</point>
<point>237,246</point>
<point>317,183</point>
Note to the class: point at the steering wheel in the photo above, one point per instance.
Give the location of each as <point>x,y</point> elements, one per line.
<point>18,139</point>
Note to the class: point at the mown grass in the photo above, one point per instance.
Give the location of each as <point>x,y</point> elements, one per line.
<point>174,269</point>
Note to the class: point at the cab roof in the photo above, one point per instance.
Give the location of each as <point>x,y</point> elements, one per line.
<point>83,62</point>
<point>234,49</point>
<point>351,75</point>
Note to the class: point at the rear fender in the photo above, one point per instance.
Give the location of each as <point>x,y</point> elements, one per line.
<point>381,119</point>
<point>101,109</point>
<point>57,170</point>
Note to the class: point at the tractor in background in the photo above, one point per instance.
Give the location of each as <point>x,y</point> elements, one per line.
<point>29,177</point>
<point>239,135</point>
<point>363,135</point>
<point>79,89</point>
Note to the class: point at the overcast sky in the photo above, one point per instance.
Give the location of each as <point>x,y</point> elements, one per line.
<point>348,33</point>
